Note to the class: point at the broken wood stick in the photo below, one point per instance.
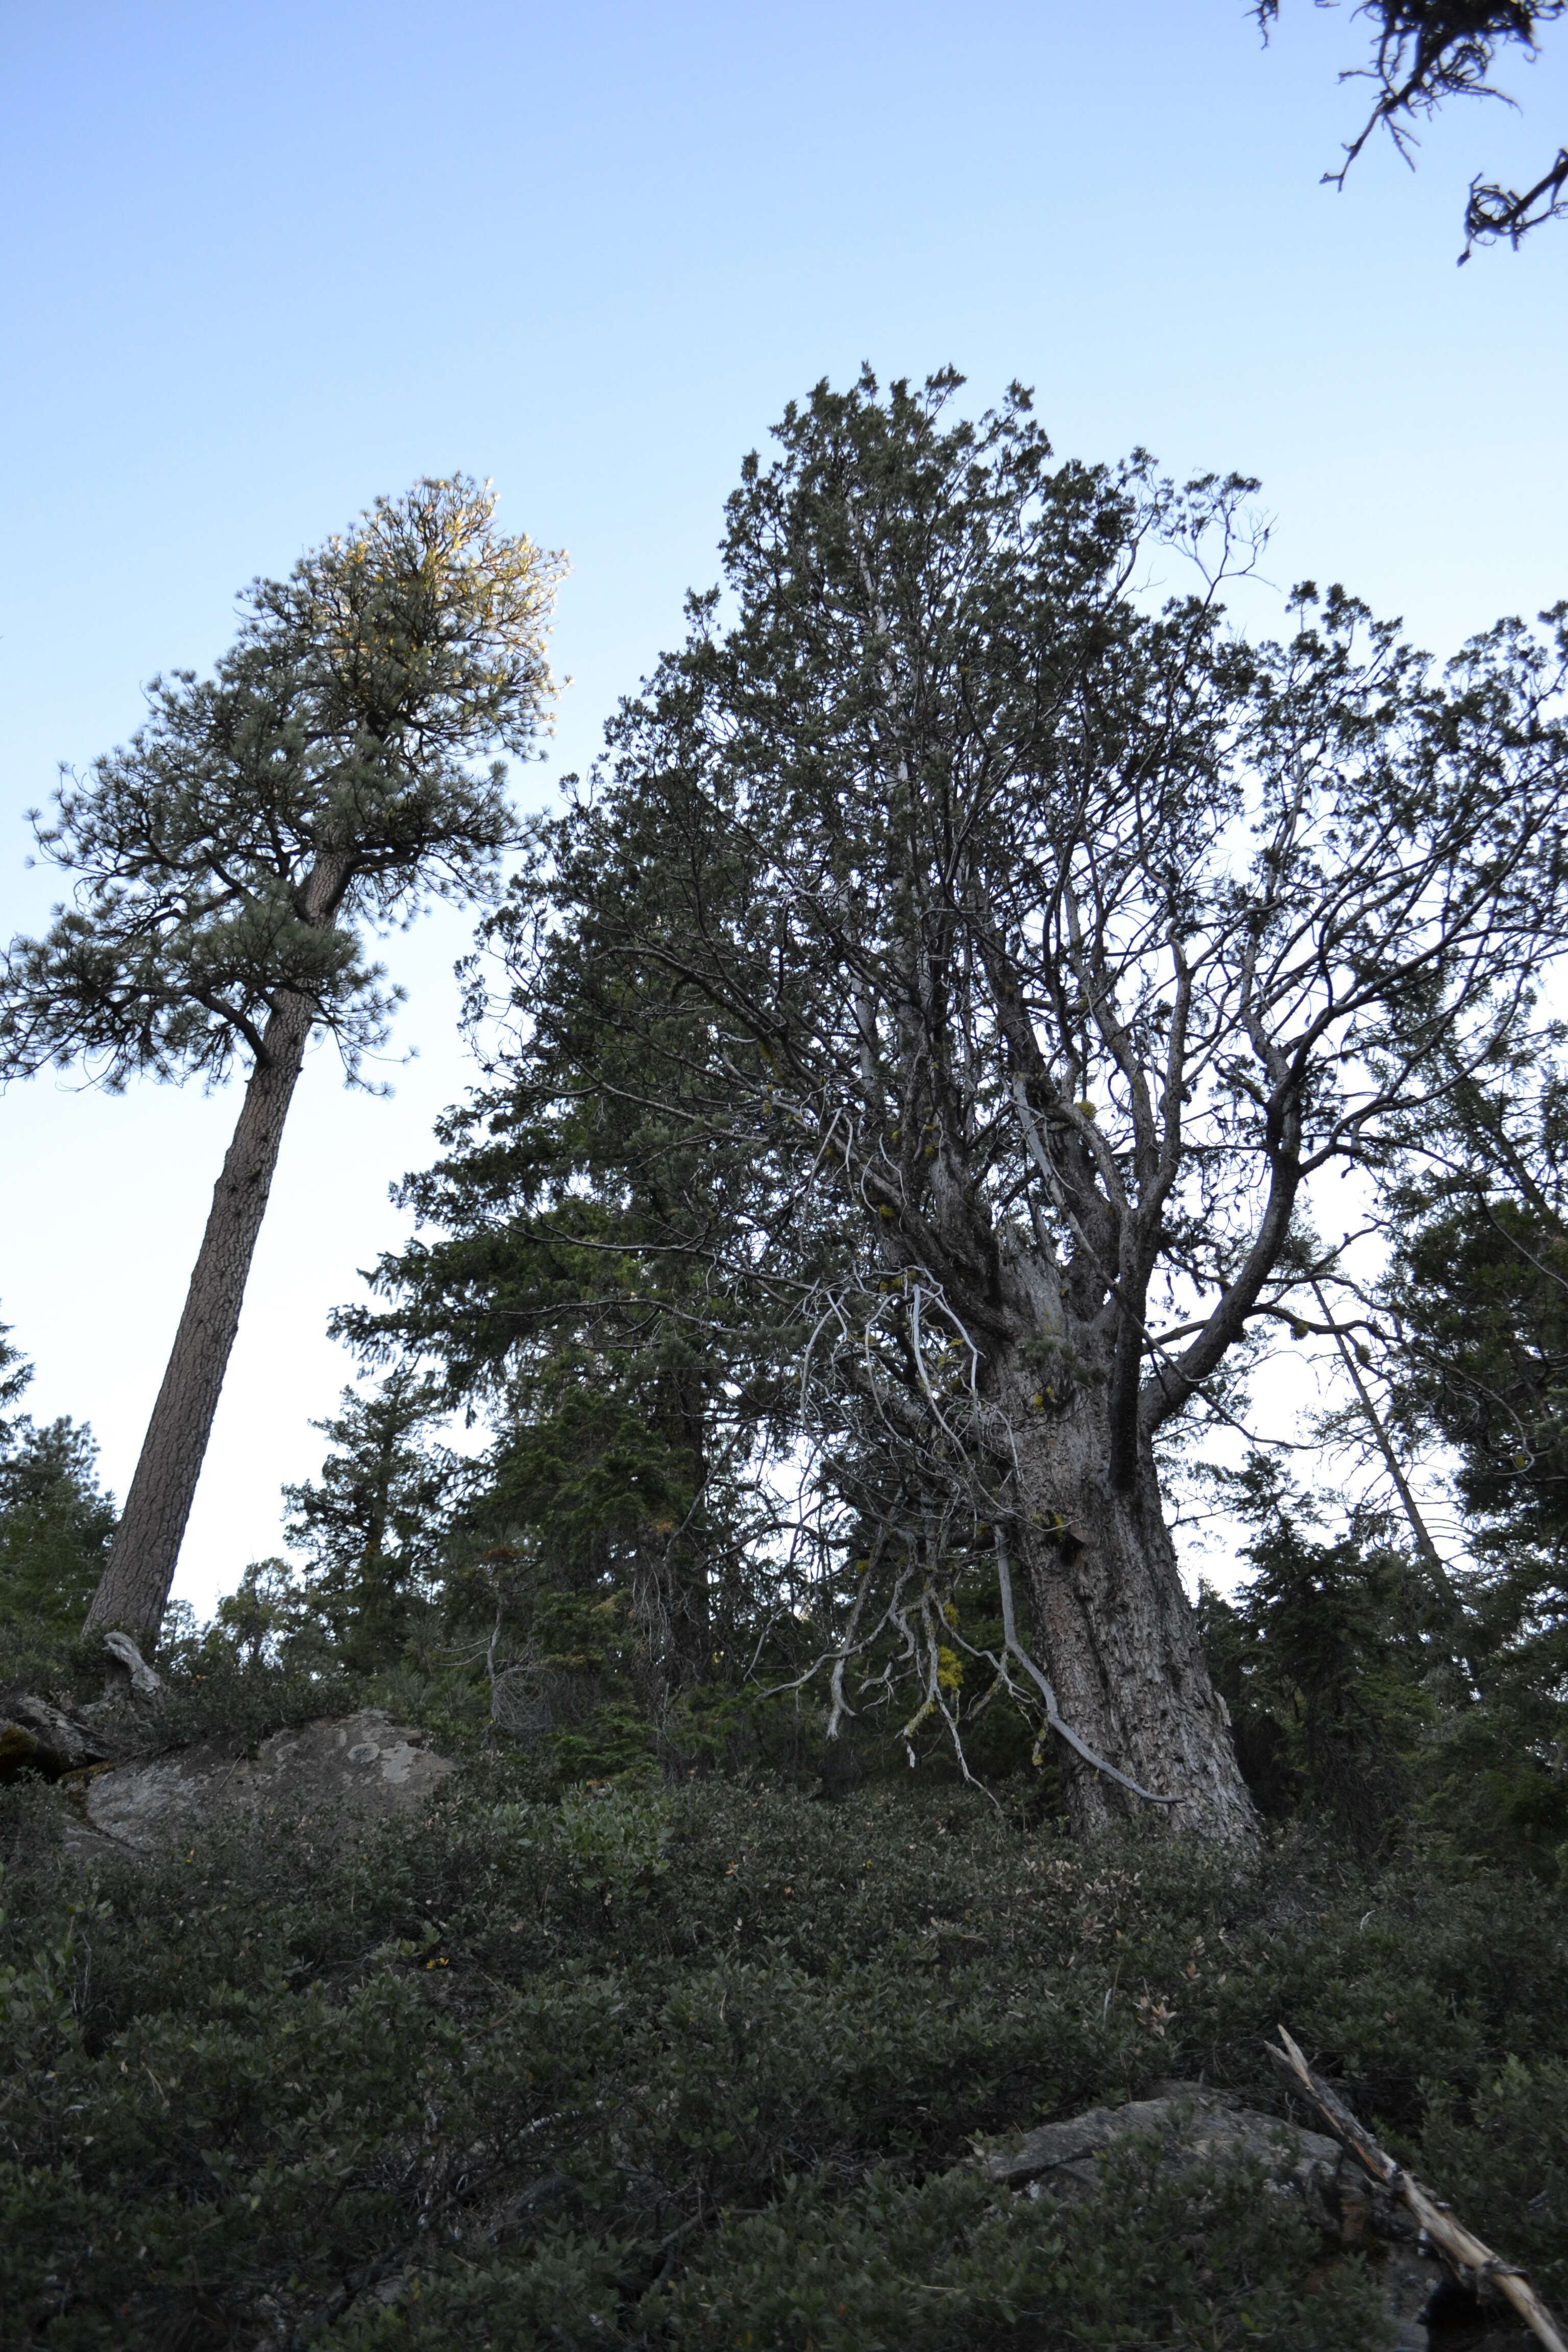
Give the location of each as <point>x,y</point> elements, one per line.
<point>1462,2247</point>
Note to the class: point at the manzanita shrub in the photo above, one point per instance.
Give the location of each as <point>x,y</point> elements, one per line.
<point>636,2065</point>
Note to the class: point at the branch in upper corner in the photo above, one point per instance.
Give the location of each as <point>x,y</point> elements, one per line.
<point>1425,52</point>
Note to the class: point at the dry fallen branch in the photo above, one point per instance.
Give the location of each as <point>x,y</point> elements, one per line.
<point>1474,2263</point>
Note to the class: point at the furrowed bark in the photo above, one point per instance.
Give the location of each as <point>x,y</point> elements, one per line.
<point>134,1586</point>
<point>1118,1635</point>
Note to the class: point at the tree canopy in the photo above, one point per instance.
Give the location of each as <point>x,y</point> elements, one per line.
<point>1027,950</point>
<point>230,860</point>
<point>320,780</point>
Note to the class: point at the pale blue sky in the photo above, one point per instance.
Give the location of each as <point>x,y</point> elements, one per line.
<point>261,263</point>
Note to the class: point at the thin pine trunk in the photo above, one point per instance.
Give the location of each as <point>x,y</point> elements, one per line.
<point>134,1586</point>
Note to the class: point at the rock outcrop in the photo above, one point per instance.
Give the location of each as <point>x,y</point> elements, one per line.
<point>38,1737</point>
<point>1198,2125</point>
<point>335,1775</point>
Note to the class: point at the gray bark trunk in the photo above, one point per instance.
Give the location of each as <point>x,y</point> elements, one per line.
<point>135,1584</point>
<point>1118,1637</point>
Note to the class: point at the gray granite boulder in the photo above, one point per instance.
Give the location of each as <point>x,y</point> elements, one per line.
<point>334,1775</point>
<point>1200,2126</point>
<point>1197,2127</point>
<point>38,1737</point>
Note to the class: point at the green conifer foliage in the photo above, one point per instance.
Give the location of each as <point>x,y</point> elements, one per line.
<point>612,1541</point>
<point>1476,1296</point>
<point>993,970</point>
<point>55,1528</point>
<point>231,863</point>
<point>373,1526</point>
<point>1326,1658</point>
<point>55,1523</point>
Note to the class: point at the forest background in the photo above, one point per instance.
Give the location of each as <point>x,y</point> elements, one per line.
<point>673,2022</point>
<point>625,251</point>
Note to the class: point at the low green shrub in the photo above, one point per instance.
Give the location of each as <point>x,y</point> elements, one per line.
<point>941,2265</point>
<point>650,2067</point>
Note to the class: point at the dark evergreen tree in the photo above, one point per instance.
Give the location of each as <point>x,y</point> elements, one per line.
<point>569,1299</point>
<point>1331,1658</point>
<point>269,1619</point>
<point>56,1527</point>
<point>1478,1291</point>
<point>372,1527</point>
<point>15,1372</point>
<point>55,1523</point>
<point>1476,1304</point>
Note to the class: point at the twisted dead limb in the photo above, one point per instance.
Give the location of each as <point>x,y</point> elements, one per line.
<point>1469,2257</point>
<point>1013,1647</point>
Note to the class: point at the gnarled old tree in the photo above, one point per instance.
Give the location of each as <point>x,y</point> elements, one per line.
<point>229,860</point>
<point>1048,947</point>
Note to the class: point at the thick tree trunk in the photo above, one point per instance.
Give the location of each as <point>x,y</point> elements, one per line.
<point>135,1584</point>
<point>1118,1637</point>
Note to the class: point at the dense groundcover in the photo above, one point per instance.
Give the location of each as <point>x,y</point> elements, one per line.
<point>639,2066</point>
